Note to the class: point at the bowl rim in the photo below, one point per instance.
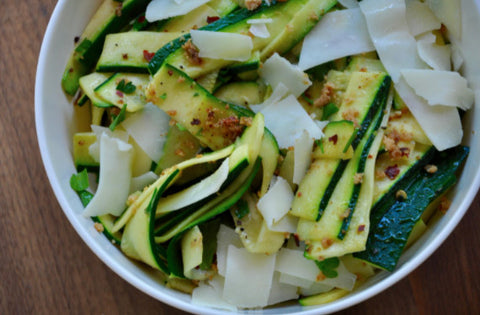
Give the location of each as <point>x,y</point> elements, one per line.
<point>416,260</point>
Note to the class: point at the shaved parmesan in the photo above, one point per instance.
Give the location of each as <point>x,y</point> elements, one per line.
<point>281,292</point>
<point>149,128</point>
<point>248,278</point>
<point>287,120</point>
<point>440,87</point>
<point>441,124</point>
<point>94,149</point>
<point>457,58</point>
<point>260,21</point>
<point>275,204</point>
<point>287,224</point>
<point>279,92</point>
<point>221,45</point>
<point>338,34</point>
<point>140,182</point>
<point>207,295</point>
<point>387,25</point>
<point>296,281</point>
<point>420,18</point>
<point>349,4</point>
<point>302,156</point>
<point>196,192</point>
<point>162,9</point>
<point>449,13</point>
<point>436,56</point>
<point>468,49</point>
<point>259,30</point>
<point>114,179</point>
<point>277,69</point>
<point>225,237</point>
<point>293,263</point>
<point>316,288</point>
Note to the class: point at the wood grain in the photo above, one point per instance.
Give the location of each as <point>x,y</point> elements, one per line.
<point>46,269</point>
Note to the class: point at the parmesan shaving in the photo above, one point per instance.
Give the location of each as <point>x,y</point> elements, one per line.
<point>441,124</point>
<point>140,182</point>
<point>259,30</point>
<point>420,18</point>
<point>302,156</point>
<point>287,120</point>
<point>114,179</point>
<point>277,69</point>
<point>162,9</point>
<point>349,38</point>
<point>274,205</point>
<point>387,25</point>
<point>197,192</point>
<point>440,87</point>
<point>248,278</point>
<point>149,128</point>
<point>221,45</point>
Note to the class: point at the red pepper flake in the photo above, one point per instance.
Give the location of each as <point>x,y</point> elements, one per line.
<point>333,139</point>
<point>211,19</point>
<point>392,171</point>
<point>148,55</point>
<point>405,151</point>
<point>124,56</point>
<point>119,93</point>
<point>299,194</point>
<point>170,72</point>
<point>195,121</point>
<point>141,19</point>
<point>297,239</point>
<point>361,228</point>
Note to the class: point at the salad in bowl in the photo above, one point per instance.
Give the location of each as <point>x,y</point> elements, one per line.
<point>255,153</point>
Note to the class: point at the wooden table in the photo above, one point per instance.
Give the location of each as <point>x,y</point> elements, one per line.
<point>45,268</point>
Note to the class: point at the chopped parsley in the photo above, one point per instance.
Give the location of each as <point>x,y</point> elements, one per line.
<point>118,118</point>
<point>163,96</point>
<point>328,267</point>
<point>329,110</point>
<point>79,181</point>
<point>126,87</point>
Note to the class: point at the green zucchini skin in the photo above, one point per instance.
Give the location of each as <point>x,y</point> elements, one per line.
<point>87,52</point>
<point>393,220</point>
<point>173,250</point>
<point>232,18</point>
<point>361,167</point>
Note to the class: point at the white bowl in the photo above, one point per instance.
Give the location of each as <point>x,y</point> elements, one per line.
<point>55,129</point>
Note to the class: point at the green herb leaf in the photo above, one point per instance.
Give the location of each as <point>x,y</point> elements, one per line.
<point>328,267</point>
<point>329,110</point>
<point>127,88</point>
<point>119,118</point>
<point>163,96</point>
<point>319,143</point>
<point>180,127</point>
<point>85,197</point>
<point>242,209</point>
<point>79,181</point>
<point>309,100</point>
